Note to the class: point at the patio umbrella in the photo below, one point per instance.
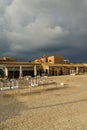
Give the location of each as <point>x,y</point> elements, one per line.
<point>6,72</point>
<point>20,72</point>
<point>35,70</point>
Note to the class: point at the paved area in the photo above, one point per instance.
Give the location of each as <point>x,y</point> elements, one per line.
<point>50,108</point>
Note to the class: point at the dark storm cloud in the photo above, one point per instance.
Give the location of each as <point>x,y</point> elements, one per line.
<point>4,46</point>
<point>44,27</point>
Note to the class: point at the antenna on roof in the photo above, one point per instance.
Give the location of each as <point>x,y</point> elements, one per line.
<point>44,55</point>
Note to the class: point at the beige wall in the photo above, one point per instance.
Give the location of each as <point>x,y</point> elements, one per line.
<point>42,60</point>
<point>58,59</point>
<point>51,59</point>
<point>55,59</point>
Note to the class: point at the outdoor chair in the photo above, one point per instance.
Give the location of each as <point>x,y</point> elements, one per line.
<point>42,81</point>
<point>10,85</point>
<point>34,82</point>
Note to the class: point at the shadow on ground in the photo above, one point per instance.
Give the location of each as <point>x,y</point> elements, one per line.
<point>10,107</point>
<point>38,90</point>
<point>58,104</point>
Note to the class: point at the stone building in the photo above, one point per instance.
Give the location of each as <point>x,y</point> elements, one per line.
<point>51,66</point>
<point>54,59</point>
<point>3,59</point>
<point>64,69</point>
<point>14,69</point>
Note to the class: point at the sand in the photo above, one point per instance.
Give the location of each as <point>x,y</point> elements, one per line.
<point>50,108</point>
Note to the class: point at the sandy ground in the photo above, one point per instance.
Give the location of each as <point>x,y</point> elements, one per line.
<point>49,108</point>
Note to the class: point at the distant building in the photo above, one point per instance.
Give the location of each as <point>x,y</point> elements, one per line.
<point>54,59</point>
<point>48,65</point>
<point>11,68</point>
<point>56,65</point>
<point>66,62</point>
<point>11,59</point>
<point>41,60</point>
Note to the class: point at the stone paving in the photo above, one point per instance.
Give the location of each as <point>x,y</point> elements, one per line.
<point>51,108</point>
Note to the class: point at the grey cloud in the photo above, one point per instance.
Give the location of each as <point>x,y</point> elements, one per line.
<point>32,28</point>
<point>4,46</point>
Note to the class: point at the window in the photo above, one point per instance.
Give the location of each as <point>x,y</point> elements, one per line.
<point>50,60</point>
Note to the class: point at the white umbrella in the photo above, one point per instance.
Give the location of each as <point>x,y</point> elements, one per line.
<point>35,70</point>
<point>20,72</point>
<point>6,72</point>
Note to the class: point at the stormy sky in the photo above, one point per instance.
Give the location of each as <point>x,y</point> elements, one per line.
<point>33,28</point>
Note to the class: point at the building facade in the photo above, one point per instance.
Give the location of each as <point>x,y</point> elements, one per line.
<point>13,69</point>
<point>54,59</point>
<point>64,69</point>
<point>51,66</point>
